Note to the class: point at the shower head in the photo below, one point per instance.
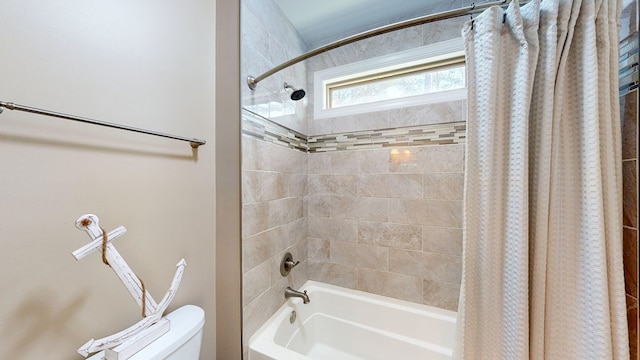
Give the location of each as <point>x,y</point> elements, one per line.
<point>297,94</point>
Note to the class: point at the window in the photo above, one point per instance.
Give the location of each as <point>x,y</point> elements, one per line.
<point>433,73</point>
<point>417,80</point>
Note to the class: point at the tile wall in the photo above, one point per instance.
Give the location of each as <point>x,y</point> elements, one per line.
<point>269,39</point>
<point>273,176</point>
<point>274,183</point>
<point>282,197</point>
<point>629,117</point>
<point>388,221</point>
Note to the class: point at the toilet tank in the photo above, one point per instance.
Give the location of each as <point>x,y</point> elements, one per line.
<point>182,342</point>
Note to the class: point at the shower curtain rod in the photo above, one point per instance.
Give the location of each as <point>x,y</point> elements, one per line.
<point>195,143</point>
<point>473,8</point>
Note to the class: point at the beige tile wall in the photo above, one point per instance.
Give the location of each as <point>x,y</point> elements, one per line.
<point>388,221</point>
<point>353,216</point>
<point>268,40</point>
<point>274,184</point>
<point>273,177</point>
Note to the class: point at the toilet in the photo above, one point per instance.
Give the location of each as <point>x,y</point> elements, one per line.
<point>182,342</point>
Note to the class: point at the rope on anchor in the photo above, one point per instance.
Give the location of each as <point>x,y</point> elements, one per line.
<point>106,262</point>
<point>104,247</point>
<point>105,241</point>
<point>144,297</point>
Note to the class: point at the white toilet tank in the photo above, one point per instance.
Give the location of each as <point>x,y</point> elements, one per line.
<point>182,342</point>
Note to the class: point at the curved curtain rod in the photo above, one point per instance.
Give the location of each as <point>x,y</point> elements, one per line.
<point>473,8</point>
<point>195,143</point>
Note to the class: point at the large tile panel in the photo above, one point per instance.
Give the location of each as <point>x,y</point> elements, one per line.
<point>391,185</point>
<point>372,257</point>
<point>335,274</point>
<point>446,213</point>
<point>632,320</point>
<point>333,229</point>
<point>360,208</point>
<point>442,295</point>
<point>629,117</point>
<point>445,158</point>
<point>630,251</point>
<point>340,184</point>
<point>429,266</point>
<point>401,236</point>
<point>389,284</point>
<point>630,193</point>
<point>441,240</point>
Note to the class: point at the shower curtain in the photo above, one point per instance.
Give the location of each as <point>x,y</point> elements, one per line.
<point>542,260</point>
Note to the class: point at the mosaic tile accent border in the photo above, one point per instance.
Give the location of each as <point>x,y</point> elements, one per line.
<point>628,64</point>
<point>261,128</point>
<point>435,134</point>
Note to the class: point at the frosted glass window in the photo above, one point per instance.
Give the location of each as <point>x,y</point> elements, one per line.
<point>397,84</point>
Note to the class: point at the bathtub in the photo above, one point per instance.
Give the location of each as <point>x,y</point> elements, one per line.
<point>347,324</point>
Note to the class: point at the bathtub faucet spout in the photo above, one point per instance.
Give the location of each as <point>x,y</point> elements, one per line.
<point>289,292</point>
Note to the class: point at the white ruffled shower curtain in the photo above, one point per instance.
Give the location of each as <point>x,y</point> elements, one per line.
<point>542,263</point>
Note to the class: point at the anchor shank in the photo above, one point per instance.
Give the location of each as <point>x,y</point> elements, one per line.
<point>129,279</point>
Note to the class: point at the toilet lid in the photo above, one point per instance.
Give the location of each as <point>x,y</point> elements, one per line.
<point>185,323</point>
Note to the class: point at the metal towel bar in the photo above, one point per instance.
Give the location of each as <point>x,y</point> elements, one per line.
<point>195,143</point>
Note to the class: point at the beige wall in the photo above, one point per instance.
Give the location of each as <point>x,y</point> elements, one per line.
<point>148,64</point>
<point>228,244</point>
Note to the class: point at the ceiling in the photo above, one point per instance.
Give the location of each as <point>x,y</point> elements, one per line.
<point>320,22</point>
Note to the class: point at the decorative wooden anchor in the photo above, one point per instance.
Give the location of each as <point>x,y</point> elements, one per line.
<point>127,342</point>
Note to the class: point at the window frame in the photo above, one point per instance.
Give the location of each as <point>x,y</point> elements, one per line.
<point>440,52</point>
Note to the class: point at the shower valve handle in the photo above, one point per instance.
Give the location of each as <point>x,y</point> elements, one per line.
<point>287,264</point>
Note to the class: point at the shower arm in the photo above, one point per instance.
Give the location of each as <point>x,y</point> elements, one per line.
<point>252,82</point>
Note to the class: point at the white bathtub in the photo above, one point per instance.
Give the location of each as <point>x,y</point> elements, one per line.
<point>347,324</point>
